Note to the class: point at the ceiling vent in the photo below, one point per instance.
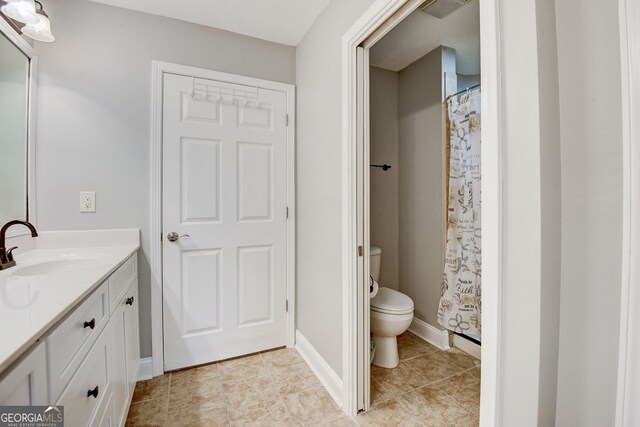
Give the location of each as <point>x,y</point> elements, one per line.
<point>442,8</point>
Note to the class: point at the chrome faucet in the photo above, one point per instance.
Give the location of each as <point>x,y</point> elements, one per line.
<point>6,257</point>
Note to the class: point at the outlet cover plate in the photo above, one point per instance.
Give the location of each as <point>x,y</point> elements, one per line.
<point>88,201</point>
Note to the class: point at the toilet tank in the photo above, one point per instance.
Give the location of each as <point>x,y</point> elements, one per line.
<point>375,256</point>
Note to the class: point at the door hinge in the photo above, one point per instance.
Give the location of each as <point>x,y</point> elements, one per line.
<point>160,236</point>
<point>286,120</point>
<point>287,212</point>
<point>286,305</point>
<point>360,251</point>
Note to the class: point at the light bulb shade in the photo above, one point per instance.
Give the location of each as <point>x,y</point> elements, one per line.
<point>41,31</point>
<point>21,10</point>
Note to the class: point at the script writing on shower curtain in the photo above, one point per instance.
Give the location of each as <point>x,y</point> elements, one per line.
<point>460,308</point>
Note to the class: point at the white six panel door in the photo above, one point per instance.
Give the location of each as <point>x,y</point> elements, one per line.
<point>224,185</point>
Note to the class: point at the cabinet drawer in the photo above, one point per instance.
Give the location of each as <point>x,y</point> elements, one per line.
<point>104,414</point>
<point>88,386</point>
<point>71,340</point>
<point>120,281</point>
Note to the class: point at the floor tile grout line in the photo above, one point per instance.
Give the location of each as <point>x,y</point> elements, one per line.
<point>410,412</point>
<point>166,409</point>
<point>457,401</point>
<point>460,370</point>
<point>224,394</point>
<point>453,396</point>
<point>226,406</point>
<point>431,384</point>
<point>277,389</point>
<point>402,405</point>
<point>271,371</point>
<point>282,397</point>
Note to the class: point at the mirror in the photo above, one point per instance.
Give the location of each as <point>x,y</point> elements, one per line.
<point>15,70</point>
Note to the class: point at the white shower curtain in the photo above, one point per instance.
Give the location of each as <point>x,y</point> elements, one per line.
<point>460,308</point>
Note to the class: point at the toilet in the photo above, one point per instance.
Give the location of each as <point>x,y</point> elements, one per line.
<point>391,315</point>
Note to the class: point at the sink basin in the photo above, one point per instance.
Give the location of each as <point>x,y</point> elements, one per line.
<point>52,266</point>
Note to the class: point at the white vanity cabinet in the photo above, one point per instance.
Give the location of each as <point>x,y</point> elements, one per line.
<point>123,330</point>
<point>69,343</point>
<point>26,383</point>
<point>88,361</point>
<point>88,386</point>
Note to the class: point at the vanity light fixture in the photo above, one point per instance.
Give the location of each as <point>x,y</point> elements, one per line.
<point>20,10</point>
<point>40,31</point>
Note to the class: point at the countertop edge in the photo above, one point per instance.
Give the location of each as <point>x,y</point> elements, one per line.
<point>7,363</point>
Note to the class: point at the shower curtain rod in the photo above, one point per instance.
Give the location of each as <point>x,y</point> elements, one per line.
<point>462,91</point>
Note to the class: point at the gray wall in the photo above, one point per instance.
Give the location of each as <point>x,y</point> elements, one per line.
<point>590,206</point>
<point>384,185</point>
<point>422,180</point>
<point>319,183</point>
<point>466,81</point>
<point>94,112</point>
<point>590,107</point>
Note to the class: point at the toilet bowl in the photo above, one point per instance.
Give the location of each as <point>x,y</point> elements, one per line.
<point>390,315</point>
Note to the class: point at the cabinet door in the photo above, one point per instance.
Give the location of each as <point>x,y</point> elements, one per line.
<point>132,341</point>
<point>26,383</point>
<point>118,365</point>
<point>90,384</point>
<point>104,416</point>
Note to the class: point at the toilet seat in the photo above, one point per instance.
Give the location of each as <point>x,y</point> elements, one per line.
<point>389,301</point>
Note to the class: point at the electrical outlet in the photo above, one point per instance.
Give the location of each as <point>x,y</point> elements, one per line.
<point>87,201</point>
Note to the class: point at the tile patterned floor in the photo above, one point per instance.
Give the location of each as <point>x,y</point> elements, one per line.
<point>430,387</point>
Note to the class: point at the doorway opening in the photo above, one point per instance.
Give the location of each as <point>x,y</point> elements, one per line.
<point>395,57</point>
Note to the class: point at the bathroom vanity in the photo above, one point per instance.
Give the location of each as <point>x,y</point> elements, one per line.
<point>68,299</point>
<point>69,325</point>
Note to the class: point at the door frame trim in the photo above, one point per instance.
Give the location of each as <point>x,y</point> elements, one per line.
<point>375,22</point>
<point>158,69</point>
<point>628,391</point>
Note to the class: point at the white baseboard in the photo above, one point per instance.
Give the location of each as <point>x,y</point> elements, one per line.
<point>327,376</point>
<point>145,369</point>
<point>467,346</point>
<point>430,333</point>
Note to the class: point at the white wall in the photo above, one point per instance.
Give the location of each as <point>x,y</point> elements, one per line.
<point>589,62</point>
<point>384,185</point>
<point>93,117</point>
<point>422,180</point>
<point>319,186</point>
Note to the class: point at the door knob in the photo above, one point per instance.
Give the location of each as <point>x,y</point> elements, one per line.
<point>173,236</point>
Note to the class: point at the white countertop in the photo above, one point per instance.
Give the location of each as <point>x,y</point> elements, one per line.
<point>30,304</point>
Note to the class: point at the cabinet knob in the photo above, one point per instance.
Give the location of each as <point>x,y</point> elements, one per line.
<point>91,323</point>
<point>93,392</point>
<point>129,301</point>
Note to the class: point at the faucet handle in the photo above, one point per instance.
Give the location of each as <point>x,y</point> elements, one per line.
<point>9,254</point>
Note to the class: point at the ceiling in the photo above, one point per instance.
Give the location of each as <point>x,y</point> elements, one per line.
<point>420,33</point>
<point>280,21</point>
